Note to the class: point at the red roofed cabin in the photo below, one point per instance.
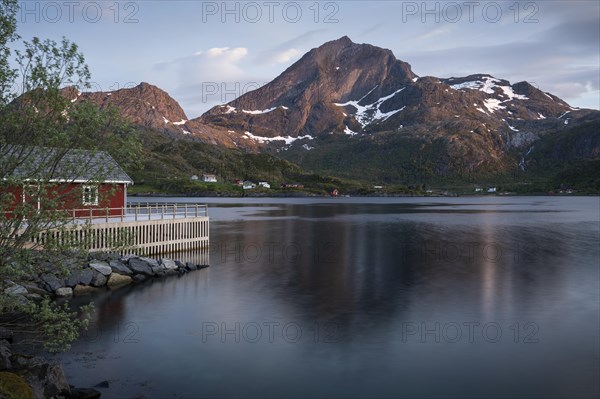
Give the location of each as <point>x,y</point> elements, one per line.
<point>86,183</point>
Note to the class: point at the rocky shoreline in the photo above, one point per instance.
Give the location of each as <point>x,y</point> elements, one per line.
<point>24,376</point>
<point>100,271</point>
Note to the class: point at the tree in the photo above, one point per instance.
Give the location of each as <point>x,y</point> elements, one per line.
<point>40,126</point>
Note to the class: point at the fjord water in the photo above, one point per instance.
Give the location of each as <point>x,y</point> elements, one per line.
<point>404,297</point>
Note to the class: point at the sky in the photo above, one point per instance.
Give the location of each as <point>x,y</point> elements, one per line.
<point>206,53</point>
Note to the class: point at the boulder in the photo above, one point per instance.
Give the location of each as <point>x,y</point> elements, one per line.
<point>119,267</point>
<point>99,280</point>
<point>25,362</point>
<point>126,258</point>
<point>47,381</point>
<point>191,266</point>
<point>140,267</point>
<point>82,276</point>
<point>116,279</point>
<point>21,299</point>
<point>158,270</point>
<point>72,263</point>
<point>80,290</point>
<point>84,393</point>
<point>150,261</point>
<point>64,291</point>
<point>34,297</point>
<point>103,384</point>
<point>6,334</point>
<point>55,382</point>
<point>202,266</point>
<point>101,267</point>
<point>14,386</point>
<point>52,282</point>
<point>138,278</point>
<point>15,289</point>
<point>168,264</point>
<point>34,289</point>
<point>5,354</point>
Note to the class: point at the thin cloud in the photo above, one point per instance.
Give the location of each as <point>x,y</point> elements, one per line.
<point>288,50</point>
<point>285,56</point>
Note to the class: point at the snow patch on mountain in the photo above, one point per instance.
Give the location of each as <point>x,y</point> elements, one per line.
<point>264,111</point>
<point>493,104</point>
<point>514,129</point>
<point>287,139</point>
<point>349,132</point>
<point>257,112</point>
<point>366,114</point>
<point>76,98</point>
<point>487,85</point>
<point>565,113</point>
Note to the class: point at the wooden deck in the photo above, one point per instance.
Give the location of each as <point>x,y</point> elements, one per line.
<point>145,230</point>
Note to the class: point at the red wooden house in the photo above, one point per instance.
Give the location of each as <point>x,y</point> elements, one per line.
<point>86,183</point>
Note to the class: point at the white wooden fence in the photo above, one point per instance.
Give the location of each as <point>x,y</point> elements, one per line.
<point>146,230</point>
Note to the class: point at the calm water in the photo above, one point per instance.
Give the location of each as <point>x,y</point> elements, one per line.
<point>461,297</point>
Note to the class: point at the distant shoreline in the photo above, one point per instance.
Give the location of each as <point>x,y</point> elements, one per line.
<point>307,195</point>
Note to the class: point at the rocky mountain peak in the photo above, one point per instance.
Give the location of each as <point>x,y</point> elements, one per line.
<point>302,100</point>
<point>144,104</point>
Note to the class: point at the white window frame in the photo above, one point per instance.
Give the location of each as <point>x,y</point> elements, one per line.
<point>36,192</point>
<point>89,198</point>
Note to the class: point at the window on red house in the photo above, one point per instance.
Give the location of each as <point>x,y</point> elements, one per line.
<point>31,195</point>
<point>90,196</point>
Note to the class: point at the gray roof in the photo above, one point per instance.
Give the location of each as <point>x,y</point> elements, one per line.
<point>57,164</point>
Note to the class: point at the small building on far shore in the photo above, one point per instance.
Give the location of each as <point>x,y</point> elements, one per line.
<point>292,185</point>
<point>248,185</point>
<point>209,178</point>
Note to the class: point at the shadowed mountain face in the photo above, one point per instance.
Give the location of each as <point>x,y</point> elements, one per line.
<point>343,98</point>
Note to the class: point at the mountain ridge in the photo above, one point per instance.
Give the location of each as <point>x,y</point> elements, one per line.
<point>344,91</point>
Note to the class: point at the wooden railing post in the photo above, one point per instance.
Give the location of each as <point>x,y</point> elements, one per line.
<point>137,211</point>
